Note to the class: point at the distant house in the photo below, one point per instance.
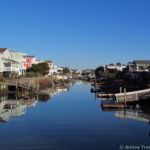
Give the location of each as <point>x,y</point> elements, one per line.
<point>59,69</point>
<point>52,67</point>
<point>116,67</point>
<point>30,60</point>
<point>37,61</point>
<point>139,66</point>
<point>8,66</point>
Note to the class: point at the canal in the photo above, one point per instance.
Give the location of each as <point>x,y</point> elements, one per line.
<point>71,120</point>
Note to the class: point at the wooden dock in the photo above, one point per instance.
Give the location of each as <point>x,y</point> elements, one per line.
<point>132,96</point>
<point>13,86</point>
<point>26,83</point>
<point>113,106</point>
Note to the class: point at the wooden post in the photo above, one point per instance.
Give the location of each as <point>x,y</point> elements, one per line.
<point>120,89</point>
<point>95,85</point>
<point>0,87</point>
<point>34,86</point>
<point>4,88</point>
<point>16,85</point>
<point>125,97</point>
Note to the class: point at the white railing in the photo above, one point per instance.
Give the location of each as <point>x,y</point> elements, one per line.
<point>131,96</point>
<point>133,92</point>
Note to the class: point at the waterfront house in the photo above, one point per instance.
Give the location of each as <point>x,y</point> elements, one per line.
<point>19,57</point>
<point>5,53</point>
<point>117,67</point>
<point>8,66</point>
<point>139,66</point>
<point>52,67</point>
<point>30,60</point>
<point>37,61</point>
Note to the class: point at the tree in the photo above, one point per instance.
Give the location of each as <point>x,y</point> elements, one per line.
<point>118,64</point>
<point>66,70</point>
<point>99,71</point>
<point>41,68</point>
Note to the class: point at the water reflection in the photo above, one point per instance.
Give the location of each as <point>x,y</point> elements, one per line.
<point>72,121</point>
<point>135,112</point>
<point>139,110</point>
<point>12,105</point>
<point>49,93</point>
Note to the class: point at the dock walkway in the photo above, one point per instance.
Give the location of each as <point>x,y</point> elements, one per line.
<point>132,96</point>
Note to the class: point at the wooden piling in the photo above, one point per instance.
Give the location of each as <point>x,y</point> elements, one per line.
<point>3,88</point>
<point>95,85</point>
<point>120,89</point>
<point>16,85</point>
<point>125,97</point>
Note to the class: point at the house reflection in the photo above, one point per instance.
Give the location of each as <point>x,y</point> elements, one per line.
<point>134,111</point>
<point>48,94</point>
<point>13,106</point>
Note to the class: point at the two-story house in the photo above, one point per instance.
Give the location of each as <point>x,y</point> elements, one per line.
<point>29,60</point>
<point>8,66</point>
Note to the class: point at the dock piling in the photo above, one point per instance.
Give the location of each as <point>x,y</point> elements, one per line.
<point>125,97</point>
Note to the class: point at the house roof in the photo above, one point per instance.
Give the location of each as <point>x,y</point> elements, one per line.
<point>141,61</point>
<point>2,50</point>
<point>30,56</point>
<point>48,61</point>
<point>10,60</point>
<point>130,63</point>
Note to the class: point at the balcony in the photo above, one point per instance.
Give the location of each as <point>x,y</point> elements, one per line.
<point>10,69</point>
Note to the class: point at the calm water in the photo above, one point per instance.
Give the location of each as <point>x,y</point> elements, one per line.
<point>72,120</point>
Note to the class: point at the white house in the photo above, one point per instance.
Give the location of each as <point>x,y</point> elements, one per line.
<point>19,57</point>
<point>52,67</point>
<point>139,66</point>
<point>8,66</point>
<point>116,67</point>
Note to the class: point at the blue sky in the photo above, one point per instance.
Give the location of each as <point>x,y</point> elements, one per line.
<point>77,33</point>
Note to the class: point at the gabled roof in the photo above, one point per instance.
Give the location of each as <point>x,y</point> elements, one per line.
<point>141,61</point>
<point>2,50</point>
